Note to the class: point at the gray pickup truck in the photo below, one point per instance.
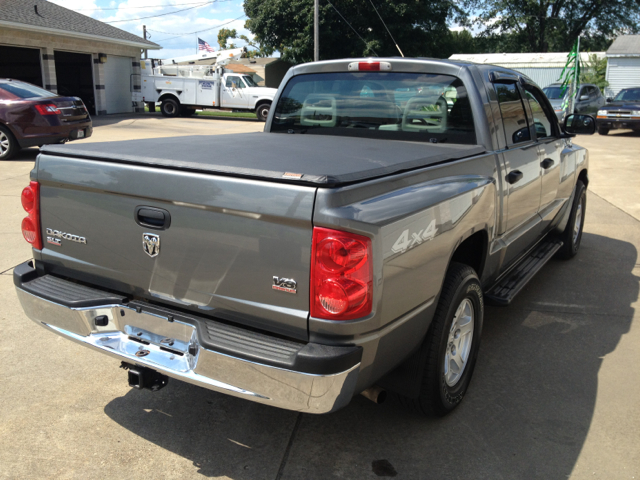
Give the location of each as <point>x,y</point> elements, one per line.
<point>349,248</point>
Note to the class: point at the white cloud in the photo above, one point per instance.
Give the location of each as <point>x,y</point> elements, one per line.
<point>160,27</point>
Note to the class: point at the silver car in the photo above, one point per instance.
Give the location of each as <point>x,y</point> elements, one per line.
<point>589,101</point>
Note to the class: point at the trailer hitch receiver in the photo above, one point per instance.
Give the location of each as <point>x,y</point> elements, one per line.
<point>143,377</point>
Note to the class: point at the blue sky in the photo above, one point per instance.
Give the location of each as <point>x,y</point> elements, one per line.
<point>205,16</point>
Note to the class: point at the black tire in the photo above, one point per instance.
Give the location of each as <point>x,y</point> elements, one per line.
<point>440,392</point>
<point>262,111</point>
<point>187,112</point>
<point>8,144</point>
<point>572,234</point>
<point>170,107</point>
<point>603,131</point>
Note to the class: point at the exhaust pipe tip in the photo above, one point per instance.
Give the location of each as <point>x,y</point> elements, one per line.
<point>375,393</point>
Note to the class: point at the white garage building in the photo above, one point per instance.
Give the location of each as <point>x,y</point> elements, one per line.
<point>542,68</point>
<point>623,64</point>
<point>70,54</point>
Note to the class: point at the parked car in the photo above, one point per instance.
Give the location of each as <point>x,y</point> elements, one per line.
<point>32,116</point>
<point>589,101</point>
<point>355,254</point>
<point>623,111</point>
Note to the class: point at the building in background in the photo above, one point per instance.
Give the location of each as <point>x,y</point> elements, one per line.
<point>543,68</point>
<point>623,64</point>
<point>70,54</point>
<point>267,72</point>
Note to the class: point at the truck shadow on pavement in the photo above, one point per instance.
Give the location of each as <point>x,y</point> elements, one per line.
<point>526,415</point>
<point>26,155</point>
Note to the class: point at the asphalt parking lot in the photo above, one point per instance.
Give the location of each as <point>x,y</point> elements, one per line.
<point>555,394</point>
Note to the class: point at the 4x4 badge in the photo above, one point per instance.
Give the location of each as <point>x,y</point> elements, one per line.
<point>151,244</point>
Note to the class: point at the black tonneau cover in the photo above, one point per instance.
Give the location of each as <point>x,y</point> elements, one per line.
<point>311,159</point>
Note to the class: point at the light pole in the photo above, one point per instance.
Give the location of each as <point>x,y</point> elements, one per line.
<point>316,31</point>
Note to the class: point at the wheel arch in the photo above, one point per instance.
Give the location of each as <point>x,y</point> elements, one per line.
<point>583,177</point>
<point>472,251</point>
<point>262,100</point>
<point>166,96</point>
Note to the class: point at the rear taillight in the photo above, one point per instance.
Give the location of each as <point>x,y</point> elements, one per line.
<point>48,109</point>
<point>341,275</point>
<point>31,224</point>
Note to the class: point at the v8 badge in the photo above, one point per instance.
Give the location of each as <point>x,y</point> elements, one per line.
<point>288,285</point>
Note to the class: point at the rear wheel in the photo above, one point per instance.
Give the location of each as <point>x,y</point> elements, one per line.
<point>8,144</point>
<point>170,108</point>
<point>572,235</point>
<point>262,111</point>
<point>187,112</point>
<point>452,344</point>
<point>603,131</point>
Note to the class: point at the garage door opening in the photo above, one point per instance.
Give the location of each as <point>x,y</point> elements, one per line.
<point>21,64</point>
<point>74,76</point>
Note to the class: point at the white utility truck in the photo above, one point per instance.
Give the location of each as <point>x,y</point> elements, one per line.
<point>182,87</point>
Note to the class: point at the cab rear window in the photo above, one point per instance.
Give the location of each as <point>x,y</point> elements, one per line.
<point>390,105</point>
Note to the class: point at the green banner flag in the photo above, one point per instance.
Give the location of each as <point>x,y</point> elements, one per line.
<point>570,77</point>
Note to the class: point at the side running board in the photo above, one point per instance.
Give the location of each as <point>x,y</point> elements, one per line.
<point>503,292</point>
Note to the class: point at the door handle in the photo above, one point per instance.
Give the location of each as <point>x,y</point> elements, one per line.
<point>547,163</point>
<point>514,176</point>
<point>152,217</point>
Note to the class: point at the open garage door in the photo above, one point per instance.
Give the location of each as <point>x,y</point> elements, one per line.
<point>74,76</point>
<point>117,80</point>
<point>21,64</point>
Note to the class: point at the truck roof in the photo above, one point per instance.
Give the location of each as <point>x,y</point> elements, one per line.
<point>319,160</point>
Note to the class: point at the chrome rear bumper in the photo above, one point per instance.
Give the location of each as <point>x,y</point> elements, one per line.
<point>172,348</point>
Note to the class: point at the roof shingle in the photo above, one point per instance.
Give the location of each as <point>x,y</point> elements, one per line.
<point>50,15</point>
<point>625,45</point>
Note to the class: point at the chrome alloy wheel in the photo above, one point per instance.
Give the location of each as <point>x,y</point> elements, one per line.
<point>459,343</point>
<point>577,226</point>
<point>4,144</point>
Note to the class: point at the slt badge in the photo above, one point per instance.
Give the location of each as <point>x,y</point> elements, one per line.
<point>151,244</point>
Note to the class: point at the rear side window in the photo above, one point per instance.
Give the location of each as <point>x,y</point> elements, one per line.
<point>516,128</point>
<point>18,90</point>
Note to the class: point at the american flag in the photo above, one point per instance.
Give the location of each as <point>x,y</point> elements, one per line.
<point>202,45</point>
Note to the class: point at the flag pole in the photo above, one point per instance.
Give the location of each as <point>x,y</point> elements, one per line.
<point>576,77</point>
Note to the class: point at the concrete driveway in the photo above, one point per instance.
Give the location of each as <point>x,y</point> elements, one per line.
<point>554,396</point>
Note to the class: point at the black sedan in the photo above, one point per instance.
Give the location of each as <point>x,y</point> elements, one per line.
<point>623,111</point>
<point>31,116</point>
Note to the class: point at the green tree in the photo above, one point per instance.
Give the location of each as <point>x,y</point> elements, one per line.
<point>552,25</point>
<point>595,71</point>
<point>259,50</point>
<point>419,27</point>
<point>224,34</point>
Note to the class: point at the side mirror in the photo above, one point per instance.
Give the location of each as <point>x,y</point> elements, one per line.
<point>521,135</point>
<point>609,99</point>
<point>579,124</point>
<point>584,97</point>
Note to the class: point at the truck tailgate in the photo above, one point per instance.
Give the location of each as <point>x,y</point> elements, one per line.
<point>227,239</point>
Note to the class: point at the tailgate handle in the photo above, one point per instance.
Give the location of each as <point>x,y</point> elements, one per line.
<point>152,217</point>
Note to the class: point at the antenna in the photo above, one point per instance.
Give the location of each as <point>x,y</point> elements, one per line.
<point>385,26</point>
<point>354,30</point>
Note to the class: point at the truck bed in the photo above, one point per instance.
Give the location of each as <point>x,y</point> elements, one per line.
<point>310,159</point>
